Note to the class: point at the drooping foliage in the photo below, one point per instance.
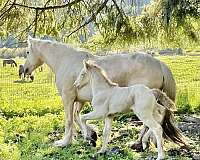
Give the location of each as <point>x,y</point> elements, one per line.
<point>161,23</point>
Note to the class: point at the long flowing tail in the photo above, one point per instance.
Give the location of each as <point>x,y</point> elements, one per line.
<point>170,130</point>
<point>169,84</point>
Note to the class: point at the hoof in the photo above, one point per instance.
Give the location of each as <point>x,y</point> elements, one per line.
<point>138,147</point>
<point>91,142</point>
<point>102,152</point>
<point>93,135</point>
<point>61,143</point>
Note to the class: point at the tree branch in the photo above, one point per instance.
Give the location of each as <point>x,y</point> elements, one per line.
<point>4,6</point>
<point>49,7</point>
<point>122,14</point>
<point>7,9</point>
<point>92,18</point>
<point>36,20</point>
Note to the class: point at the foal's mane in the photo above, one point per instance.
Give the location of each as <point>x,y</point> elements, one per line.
<point>102,72</point>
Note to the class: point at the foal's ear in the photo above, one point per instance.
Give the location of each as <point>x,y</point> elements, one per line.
<point>29,38</point>
<point>85,64</point>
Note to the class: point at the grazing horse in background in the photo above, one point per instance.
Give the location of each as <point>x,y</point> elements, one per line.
<point>22,76</point>
<point>21,71</point>
<point>9,61</point>
<point>66,63</point>
<point>110,99</point>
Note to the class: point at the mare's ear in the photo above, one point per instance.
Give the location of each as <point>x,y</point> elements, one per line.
<point>29,41</point>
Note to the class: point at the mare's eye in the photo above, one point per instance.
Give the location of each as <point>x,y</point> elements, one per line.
<point>27,52</point>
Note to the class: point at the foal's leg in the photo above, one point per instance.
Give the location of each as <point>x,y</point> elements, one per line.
<point>90,132</point>
<point>156,128</point>
<point>158,114</point>
<point>90,116</point>
<point>106,133</point>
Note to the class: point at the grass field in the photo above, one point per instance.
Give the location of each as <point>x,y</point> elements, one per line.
<point>31,116</point>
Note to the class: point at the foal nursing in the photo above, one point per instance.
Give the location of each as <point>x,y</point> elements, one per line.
<point>109,99</point>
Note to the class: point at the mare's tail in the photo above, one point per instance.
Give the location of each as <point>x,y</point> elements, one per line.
<point>170,130</point>
<point>169,84</point>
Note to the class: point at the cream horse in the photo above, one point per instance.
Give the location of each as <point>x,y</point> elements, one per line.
<point>109,99</point>
<point>66,63</point>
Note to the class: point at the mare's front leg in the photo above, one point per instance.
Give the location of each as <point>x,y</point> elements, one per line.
<point>68,97</point>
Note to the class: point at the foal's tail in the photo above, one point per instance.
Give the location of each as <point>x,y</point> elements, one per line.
<point>164,99</point>
<point>170,130</point>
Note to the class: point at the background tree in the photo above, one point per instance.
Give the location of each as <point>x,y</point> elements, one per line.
<point>173,21</point>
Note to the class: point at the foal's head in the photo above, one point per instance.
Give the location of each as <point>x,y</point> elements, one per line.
<point>84,75</point>
<point>82,78</point>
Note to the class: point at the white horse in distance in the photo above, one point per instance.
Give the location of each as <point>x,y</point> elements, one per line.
<point>66,63</point>
<point>109,99</point>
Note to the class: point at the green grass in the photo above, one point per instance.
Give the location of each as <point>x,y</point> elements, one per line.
<point>32,118</point>
<point>186,70</point>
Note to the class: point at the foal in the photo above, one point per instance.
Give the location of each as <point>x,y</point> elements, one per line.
<point>109,99</point>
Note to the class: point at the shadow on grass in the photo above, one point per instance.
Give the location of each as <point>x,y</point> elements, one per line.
<point>22,81</point>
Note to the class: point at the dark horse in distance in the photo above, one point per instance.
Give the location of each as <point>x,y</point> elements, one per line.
<point>9,61</point>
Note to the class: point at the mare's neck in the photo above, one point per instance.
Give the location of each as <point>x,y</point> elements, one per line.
<point>57,55</point>
<point>98,82</point>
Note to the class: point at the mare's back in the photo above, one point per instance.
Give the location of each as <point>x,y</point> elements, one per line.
<point>125,67</point>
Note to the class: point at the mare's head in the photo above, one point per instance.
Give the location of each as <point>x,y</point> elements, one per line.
<point>33,56</point>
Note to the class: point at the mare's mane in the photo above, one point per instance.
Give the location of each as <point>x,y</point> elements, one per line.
<point>58,44</point>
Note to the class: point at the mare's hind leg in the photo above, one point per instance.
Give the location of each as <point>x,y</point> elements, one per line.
<point>138,144</point>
